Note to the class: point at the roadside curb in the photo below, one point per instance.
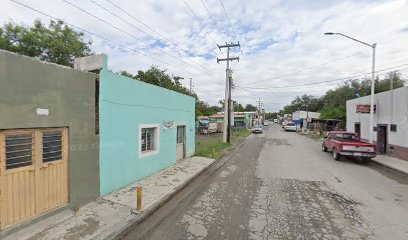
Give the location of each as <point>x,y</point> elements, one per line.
<point>390,167</point>
<point>122,232</point>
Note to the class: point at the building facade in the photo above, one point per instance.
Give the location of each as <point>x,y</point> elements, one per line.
<point>390,121</point>
<point>68,136</point>
<point>301,118</point>
<point>48,144</point>
<point>143,129</point>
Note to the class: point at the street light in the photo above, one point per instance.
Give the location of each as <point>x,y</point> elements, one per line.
<point>373,46</point>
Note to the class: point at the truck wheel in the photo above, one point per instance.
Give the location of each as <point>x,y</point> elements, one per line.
<point>336,156</point>
<point>324,148</point>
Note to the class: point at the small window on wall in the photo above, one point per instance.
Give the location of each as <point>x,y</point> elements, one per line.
<point>147,139</point>
<point>393,127</point>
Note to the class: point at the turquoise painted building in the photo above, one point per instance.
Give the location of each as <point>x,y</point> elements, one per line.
<point>143,129</point>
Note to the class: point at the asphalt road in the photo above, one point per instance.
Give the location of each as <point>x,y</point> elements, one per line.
<point>280,185</point>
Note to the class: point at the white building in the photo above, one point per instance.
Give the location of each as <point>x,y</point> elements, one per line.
<point>390,121</point>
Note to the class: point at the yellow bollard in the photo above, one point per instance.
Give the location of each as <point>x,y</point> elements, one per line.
<point>139,198</point>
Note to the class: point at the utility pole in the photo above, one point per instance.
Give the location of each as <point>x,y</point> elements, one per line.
<point>259,110</point>
<point>227,101</point>
<point>191,85</point>
<point>259,104</point>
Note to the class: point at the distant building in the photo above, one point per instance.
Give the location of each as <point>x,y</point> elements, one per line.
<point>241,119</point>
<point>301,118</point>
<point>390,121</point>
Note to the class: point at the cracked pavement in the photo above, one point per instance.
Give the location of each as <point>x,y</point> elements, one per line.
<point>280,185</point>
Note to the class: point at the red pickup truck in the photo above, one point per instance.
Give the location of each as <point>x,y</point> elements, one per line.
<point>348,144</point>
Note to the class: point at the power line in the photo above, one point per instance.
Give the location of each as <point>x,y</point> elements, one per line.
<point>131,35</point>
<point>99,36</point>
<point>229,22</point>
<point>333,80</point>
<point>166,39</point>
<point>199,21</point>
<point>307,68</point>
<point>210,94</point>
<point>144,24</point>
<point>261,92</point>
<point>212,19</point>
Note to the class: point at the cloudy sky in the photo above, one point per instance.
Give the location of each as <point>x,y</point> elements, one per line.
<point>283,49</point>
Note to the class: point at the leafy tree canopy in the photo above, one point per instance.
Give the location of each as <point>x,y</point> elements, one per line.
<point>271,115</point>
<point>332,105</point>
<point>304,102</point>
<point>204,109</point>
<point>237,106</point>
<point>250,108</point>
<point>161,78</point>
<point>57,42</point>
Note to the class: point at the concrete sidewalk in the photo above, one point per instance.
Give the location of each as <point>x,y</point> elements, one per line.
<point>393,163</point>
<point>108,216</point>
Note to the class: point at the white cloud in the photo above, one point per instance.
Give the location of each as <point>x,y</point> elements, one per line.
<point>278,37</point>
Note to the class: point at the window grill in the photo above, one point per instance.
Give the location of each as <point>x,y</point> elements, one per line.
<point>19,150</point>
<point>52,146</point>
<point>147,139</point>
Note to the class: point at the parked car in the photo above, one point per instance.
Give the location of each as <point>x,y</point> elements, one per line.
<point>275,120</point>
<point>257,129</point>
<point>290,126</point>
<point>348,144</point>
<point>265,123</point>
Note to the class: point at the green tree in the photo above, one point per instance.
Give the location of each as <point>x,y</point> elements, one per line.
<point>250,108</point>
<point>385,84</point>
<point>271,115</point>
<point>332,105</point>
<point>237,106</point>
<point>204,109</point>
<point>57,42</point>
<point>156,76</point>
<point>304,103</point>
<point>331,112</point>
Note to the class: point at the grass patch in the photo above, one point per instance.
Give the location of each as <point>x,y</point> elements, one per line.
<point>215,147</point>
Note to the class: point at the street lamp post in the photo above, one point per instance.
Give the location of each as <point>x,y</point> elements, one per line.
<point>373,46</point>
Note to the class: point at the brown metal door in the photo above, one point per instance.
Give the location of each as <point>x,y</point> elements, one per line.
<point>33,173</point>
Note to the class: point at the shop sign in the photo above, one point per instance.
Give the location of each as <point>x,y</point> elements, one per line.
<point>168,124</point>
<point>364,108</point>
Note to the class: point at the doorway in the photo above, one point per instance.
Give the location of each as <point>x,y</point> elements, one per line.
<point>33,173</point>
<point>181,142</point>
<point>357,128</point>
<point>382,139</point>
